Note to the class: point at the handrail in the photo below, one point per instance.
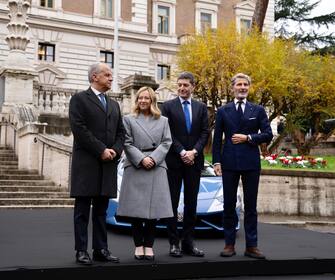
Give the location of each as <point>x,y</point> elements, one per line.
<point>6,124</point>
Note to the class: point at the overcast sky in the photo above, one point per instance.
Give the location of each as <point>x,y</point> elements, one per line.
<point>325,7</point>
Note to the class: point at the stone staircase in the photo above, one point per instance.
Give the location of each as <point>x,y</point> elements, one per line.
<point>27,189</point>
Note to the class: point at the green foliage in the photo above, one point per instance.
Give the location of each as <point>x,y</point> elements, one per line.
<point>298,12</point>
<point>287,81</point>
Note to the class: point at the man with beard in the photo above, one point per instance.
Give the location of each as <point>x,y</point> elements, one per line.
<point>245,126</point>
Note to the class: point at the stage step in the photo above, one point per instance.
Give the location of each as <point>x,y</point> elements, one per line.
<point>28,189</point>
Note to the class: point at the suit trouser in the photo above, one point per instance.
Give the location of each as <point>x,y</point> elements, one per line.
<point>250,180</point>
<point>81,218</point>
<point>144,231</point>
<point>191,178</point>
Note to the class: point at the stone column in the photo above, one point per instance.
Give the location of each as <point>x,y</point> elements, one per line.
<point>16,73</point>
<point>131,85</point>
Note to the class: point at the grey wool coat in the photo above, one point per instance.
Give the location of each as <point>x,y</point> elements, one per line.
<point>145,193</point>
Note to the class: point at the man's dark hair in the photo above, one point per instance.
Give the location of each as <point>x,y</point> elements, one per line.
<point>186,76</point>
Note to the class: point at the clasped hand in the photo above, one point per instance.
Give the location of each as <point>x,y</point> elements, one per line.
<point>148,163</point>
<point>108,154</point>
<point>188,157</point>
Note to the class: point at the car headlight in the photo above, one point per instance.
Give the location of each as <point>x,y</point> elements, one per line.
<point>219,198</point>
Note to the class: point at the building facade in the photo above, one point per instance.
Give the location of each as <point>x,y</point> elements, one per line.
<point>67,36</point>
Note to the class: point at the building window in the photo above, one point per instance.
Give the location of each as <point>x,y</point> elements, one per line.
<point>205,21</point>
<point>46,52</point>
<point>163,72</point>
<point>163,19</point>
<point>107,57</point>
<point>245,25</point>
<point>47,3</point>
<point>106,8</point>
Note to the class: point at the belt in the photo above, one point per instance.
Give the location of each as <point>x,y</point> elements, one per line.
<point>148,150</point>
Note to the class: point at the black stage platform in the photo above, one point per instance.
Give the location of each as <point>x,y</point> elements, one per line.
<point>37,244</point>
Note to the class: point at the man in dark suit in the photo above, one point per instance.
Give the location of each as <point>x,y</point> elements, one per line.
<point>188,122</point>
<point>98,134</point>
<point>245,126</point>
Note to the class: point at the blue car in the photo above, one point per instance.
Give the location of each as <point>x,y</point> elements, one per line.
<point>209,206</point>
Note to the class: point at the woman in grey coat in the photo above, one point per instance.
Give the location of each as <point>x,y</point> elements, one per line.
<point>145,194</point>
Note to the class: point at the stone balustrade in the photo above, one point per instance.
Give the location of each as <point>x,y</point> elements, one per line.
<point>52,100</point>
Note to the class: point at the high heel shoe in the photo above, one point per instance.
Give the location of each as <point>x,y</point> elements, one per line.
<point>149,258</point>
<point>139,253</point>
<point>139,257</point>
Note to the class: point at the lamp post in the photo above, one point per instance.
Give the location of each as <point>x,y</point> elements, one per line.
<point>115,86</point>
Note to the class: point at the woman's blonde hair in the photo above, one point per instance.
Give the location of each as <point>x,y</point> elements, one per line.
<point>154,110</point>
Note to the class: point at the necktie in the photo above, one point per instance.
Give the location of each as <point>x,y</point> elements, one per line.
<point>103,100</point>
<point>239,109</point>
<point>187,115</point>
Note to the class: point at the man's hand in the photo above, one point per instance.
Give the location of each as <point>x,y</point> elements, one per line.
<point>188,157</point>
<point>108,154</point>
<point>217,169</point>
<point>239,138</point>
<point>148,163</point>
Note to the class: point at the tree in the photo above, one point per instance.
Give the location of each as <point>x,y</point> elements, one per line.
<point>312,102</point>
<point>287,81</point>
<point>298,12</point>
<point>259,14</point>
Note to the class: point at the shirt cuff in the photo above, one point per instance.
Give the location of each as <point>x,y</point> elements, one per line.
<point>182,153</point>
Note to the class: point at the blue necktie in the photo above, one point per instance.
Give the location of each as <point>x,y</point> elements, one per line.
<point>187,115</point>
<point>103,100</point>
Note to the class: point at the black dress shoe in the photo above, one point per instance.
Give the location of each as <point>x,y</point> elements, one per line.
<point>175,251</point>
<point>104,255</point>
<point>83,257</point>
<point>193,251</point>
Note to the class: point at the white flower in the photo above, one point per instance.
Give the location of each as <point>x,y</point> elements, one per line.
<point>299,157</point>
<point>272,162</point>
<point>301,163</point>
<point>289,157</point>
<point>268,158</point>
<point>319,159</point>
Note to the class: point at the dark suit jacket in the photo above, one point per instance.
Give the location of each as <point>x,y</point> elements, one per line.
<point>198,137</point>
<point>94,130</point>
<point>243,156</point>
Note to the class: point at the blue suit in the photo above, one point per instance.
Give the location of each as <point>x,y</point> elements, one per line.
<point>240,161</point>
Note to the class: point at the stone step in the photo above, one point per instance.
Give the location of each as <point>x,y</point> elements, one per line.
<point>8,158</point>
<point>36,201</point>
<point>23,188</point>
<point>17,172</point>
<point>45,195</point>
<point>9,155</point>
<point>5,148</point>
<point>6,152</point>
<point>8,162</point>
<point>20,177</point>
<point>29,206</point>
<point>8,167</point>
<point>27,182</point>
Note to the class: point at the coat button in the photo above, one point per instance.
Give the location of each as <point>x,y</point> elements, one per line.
<point>154,144</point>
